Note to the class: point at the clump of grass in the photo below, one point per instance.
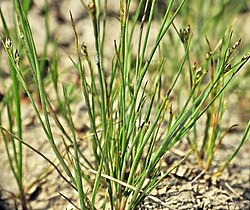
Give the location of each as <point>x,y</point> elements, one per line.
<point>127,143</point>
<point>208,19</point>
<point>12,103</point>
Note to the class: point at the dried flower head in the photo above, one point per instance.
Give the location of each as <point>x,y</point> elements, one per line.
<point>194,67</point>
<point>84,49</point>
<point>8,43</point>
<point>229,52</point>
<point>92,7</point>
<point>245,57</point>
<point>198,74</point>
<point>236,44</point>
<point>17,57</point>
<point>185,34</point>
<point>209,54</point>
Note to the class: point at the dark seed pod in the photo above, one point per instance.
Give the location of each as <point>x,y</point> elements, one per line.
<point>17,57</point>
<point>84,49</point>
<point>245,57</point>
<point>8,43</point>
<point>236,44</point>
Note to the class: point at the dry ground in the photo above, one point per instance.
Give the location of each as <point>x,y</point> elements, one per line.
<point>186,188</point>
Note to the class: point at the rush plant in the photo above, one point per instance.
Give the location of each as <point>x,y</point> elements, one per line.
<point>130,116</point>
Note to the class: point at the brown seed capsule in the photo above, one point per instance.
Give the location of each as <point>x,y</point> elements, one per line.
<point>185,34</point>
<point>194,67</point>
<point>92,8</point>
<point>8,43</point>
<point>198,74</point>
<point>84,49</point>
<point>17,57</point>
<point>209,54</point>
<point>229,52</point>
<point>245,57</point>
<point>236,44</point>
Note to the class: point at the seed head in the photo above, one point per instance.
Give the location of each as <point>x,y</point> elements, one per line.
<point>194,67</point>
<point>209,54</point>
<point>245,57</point>
<point>229,52</point>
<point>84,49</point>
<point>8,43</point>
<point>17,57</point>
<point>92,8</point>
<point>198,74</point>
<point>236,44</point>
<point>185,34</point>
